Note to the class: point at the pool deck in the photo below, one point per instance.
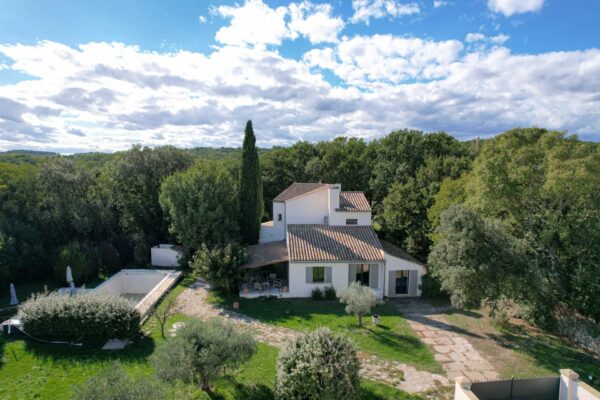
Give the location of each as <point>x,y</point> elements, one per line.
<point>145,306</point>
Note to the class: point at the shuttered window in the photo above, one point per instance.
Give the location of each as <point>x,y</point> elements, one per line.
<point>318,274</point>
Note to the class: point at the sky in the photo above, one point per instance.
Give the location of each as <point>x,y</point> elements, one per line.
<point>104,75</point>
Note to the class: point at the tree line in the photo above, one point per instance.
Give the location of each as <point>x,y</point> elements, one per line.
<point>490,216</point>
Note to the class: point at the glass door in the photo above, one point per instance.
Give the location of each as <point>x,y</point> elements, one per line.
<point>401,282</point>
<point>362,274</point>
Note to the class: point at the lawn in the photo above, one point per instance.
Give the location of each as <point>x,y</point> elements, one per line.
<point>521,350</point>
<point>40,371</point>
<point>392,339</point>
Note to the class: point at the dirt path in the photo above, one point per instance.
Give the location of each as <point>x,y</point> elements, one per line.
<point>451,349</point>
<point>192,302</point>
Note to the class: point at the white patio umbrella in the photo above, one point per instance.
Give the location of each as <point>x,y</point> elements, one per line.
<point>13,296</point>
<point>69,275</point>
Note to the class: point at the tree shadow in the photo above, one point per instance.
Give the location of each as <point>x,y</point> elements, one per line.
<point>549,351</point>
<point>245,391</point>
<point>137,351</point>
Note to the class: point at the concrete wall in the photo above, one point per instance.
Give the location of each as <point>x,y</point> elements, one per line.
<point>132,281</point>
<point>393,263</point>
<point>339,278</point>
<point>572,389</point>
<point>164,256</point>
<point>340,217</point>
<point>307,209</point>
<point>273,230</point>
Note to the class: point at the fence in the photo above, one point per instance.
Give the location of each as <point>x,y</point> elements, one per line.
<point>545,388</point>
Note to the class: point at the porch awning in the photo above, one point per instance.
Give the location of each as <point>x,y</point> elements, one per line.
<point>261,255</point>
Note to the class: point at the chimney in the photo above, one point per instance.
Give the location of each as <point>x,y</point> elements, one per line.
<point>334,197</point>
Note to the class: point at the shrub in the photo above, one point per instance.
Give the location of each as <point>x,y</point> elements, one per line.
<point>83,260</point>
<point>202,350</point>
<point>329,293</point>
<point>220,265</point>
<point>83,317</point>
<point>316,294</point>
<point>431,288</point>
<point>359,300</point>
<point>318,365</point>
<point>114,383</point>
<point>109,257</point>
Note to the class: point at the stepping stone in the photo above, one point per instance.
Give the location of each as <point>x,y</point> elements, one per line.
<point>474,376</point>
<point>444,341</point>
<point>453,366</point>
<point>442,349</point>
<point>115,344</point>
<point>491,375</point>
<point>443,358</point>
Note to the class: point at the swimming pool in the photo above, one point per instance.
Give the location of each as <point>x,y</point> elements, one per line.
<point>142,287</point>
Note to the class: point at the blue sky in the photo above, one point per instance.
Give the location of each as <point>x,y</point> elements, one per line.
<point>102,75</point>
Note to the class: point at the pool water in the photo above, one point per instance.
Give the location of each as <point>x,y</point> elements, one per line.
<point>133,298</point>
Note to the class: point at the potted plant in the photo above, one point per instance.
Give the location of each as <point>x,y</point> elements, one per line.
<point>375,319</point>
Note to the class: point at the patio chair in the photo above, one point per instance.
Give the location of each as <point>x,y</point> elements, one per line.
<point>257,286</point>
<point>266,285</point>
<point>277,284</point>
<point>272,277</point>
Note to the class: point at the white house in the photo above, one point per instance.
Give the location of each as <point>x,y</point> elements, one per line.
<point>325,236</point>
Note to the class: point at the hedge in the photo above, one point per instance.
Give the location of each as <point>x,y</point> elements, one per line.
<point>87,317</point>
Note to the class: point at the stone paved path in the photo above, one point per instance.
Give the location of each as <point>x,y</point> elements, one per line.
<point>192,302</point>
<point>451,349</point>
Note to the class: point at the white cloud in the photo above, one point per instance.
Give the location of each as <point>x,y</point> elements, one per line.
<point>253,23</point>
<point>510,7</point>
<point>314,22</point>
<point>107,96</point>
<point>364,10</point>
<point>474,37</point>
<point>202,19</point>
<point>363,60</point>
<point>482,39</point>
<point>439,3</point>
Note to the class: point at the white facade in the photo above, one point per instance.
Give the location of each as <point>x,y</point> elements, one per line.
<point>393,264</point>
<point>395,276</point>
<point>165,255</point>
<point>341,276</point>
<point>319,206</point>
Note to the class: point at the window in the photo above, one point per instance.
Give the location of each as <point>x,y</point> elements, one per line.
<point>279,217</point>
<point>318,274</point>
<point>326,220</point>
<point>352,221</point>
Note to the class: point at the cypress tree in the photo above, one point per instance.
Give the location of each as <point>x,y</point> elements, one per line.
<point>251,190</point>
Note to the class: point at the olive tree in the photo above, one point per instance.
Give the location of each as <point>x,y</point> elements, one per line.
<point>318,365</point>
<point>200,351</point>
<point>359,300</point>
<point>113,383</point>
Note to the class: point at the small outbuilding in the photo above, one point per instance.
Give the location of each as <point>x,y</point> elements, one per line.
<point>166,255</point>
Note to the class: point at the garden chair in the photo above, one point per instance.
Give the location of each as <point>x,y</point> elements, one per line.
<point>266,285</point>
<point>257,287</point>
<point>272,277</point>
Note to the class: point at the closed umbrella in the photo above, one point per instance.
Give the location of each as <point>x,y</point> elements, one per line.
<point>13,296</point>
<point>69,275</point>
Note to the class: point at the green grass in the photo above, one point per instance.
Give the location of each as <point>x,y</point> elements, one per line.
<point>392,339</point>
<point>31,370</point>
<point>521,350</point>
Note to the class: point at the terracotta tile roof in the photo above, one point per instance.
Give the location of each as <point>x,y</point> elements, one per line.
<point>333,243</point>
<point>396,251</point>
<point>298,188</point>
<point>353,201</point>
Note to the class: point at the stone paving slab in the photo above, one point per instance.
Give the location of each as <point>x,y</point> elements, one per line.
<point>192,302</point>
<point>453,351</point>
